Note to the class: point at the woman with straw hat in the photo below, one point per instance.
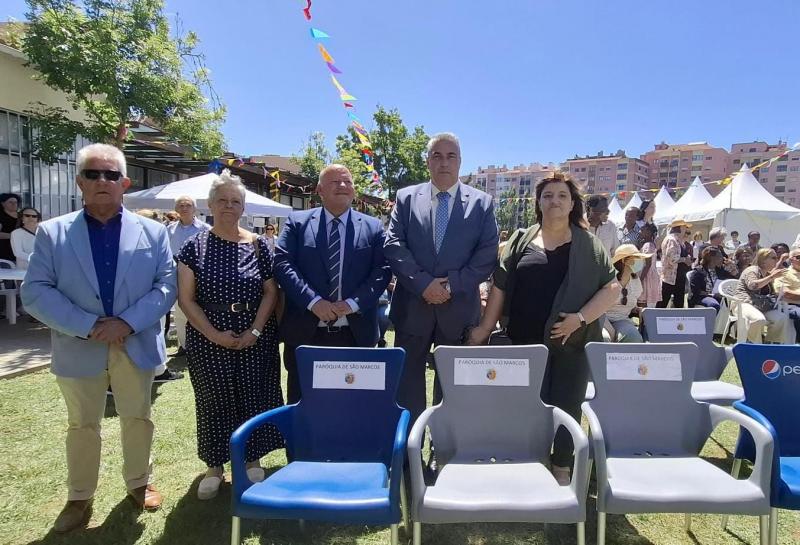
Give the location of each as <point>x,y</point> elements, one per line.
<point>618,327</point>
<point>676,260</point>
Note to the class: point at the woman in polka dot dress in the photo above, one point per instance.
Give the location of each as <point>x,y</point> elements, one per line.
<point>228,295</point>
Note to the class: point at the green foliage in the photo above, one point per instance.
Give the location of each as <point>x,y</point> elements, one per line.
<point>117,64</point>
<point>314,156</point>
<point>398,153</point>
<point>505,211</point>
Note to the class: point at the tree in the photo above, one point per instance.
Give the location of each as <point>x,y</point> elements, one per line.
<point>505,211</point>
<point>398,154</point>
<point>118,65</point>
<point>314,156</point>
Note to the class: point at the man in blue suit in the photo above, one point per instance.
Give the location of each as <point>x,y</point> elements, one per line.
<point>441,244</point>
<point>101,279</point>
<point>330,263</point>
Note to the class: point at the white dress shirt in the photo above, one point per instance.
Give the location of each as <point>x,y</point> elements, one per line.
<point>342,232</point>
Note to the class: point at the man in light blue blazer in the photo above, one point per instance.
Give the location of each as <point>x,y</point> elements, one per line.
<point>441,244</point>
<point>101,279</point>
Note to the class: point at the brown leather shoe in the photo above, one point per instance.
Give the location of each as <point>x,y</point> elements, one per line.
<point>145,497</point>
<point>75,514</point>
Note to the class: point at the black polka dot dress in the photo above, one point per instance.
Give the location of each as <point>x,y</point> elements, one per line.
<point>231,386</point>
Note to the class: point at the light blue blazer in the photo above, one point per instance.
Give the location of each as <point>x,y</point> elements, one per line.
<point>60,289</point>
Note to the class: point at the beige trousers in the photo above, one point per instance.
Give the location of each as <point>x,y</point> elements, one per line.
<point>86,401</point>
<point>180,324</point>
<point>780,328</point>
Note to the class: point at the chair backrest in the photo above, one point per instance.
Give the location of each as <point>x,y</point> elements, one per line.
<point>643,398</point>
<point>728,288</point>
<point>6,264</point>
<point>696,325</point>
<point>492,406</point>
<point>348,411</point>
<point>771,379</point>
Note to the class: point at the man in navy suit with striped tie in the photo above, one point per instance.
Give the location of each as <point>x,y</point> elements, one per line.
<point>330,263</point>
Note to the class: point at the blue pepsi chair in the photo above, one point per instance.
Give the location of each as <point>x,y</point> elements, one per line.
<point>346,438</point>
<point>771,378</point>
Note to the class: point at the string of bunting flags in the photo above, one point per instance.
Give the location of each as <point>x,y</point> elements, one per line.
<point>345,97</point>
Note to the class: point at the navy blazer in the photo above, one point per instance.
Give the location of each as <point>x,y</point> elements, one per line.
<point>301,269</point>
<point>468,256</point>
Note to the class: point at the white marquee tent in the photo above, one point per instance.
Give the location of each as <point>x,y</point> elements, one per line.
<point>744,205</point>
<point>695,198</point>
<point>615,213</point>
<point>163,197</point>
<point>663,201</point>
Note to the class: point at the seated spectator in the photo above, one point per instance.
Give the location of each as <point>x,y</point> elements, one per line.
<point>23,237</point>
<point>788,287</point>
<point>757,297</point>
<point>781,248</point>
<point>704,278</point>
<point>619,327</point>
<point>743,257</point>
<point>734,242</point>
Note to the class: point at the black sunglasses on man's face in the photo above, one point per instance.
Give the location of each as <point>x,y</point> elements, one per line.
<point>110,175</point>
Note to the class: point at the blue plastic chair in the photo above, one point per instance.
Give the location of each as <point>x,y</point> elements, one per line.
<point>771,378</point>
<point>347,445</point>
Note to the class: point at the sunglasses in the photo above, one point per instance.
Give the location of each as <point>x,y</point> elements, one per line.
<point>624,300</point>
<point>110,175</point>
<point>270,229</point>
<point>30,216</point>
<point>795,258</point>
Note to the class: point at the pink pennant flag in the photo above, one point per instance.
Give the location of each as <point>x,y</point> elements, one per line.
<point>307,10</point>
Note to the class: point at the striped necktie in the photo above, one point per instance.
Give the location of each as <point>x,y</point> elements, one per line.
<point>334,259</point>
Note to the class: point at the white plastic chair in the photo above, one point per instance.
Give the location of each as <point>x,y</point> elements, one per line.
<point>727,288</point>
<point>9,293</point>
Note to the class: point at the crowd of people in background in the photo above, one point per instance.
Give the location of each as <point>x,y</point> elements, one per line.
<point>105,279</point>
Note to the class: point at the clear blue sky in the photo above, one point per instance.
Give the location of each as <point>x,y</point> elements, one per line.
<point>522,81</point>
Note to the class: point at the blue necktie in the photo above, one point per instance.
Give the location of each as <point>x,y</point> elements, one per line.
<point>441,218</point>
<point>334,258</point>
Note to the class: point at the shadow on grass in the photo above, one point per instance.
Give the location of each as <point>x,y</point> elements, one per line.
<point>121,527</point>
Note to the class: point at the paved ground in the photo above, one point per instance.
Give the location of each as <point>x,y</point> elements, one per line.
<point>24,347</point>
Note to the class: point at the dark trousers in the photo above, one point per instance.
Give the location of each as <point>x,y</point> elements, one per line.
<point>564,386</point>
<point>794,314</point>
<point>678,291</point>
<point>342,337</point>
<point>411,394</point>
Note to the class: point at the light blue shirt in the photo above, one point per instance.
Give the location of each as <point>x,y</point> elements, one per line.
<point>342,230</point>
<point>180,233</point>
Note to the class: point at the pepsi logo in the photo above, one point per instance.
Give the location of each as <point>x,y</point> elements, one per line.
<point>771,369</point>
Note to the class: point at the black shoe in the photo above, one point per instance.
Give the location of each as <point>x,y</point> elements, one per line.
<point>181,351</point>
<point>168,375</point>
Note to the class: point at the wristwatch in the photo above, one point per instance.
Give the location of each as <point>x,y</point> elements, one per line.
<point>255,332</point>
<point>581,318</point>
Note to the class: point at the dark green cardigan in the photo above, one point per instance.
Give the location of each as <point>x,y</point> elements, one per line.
<point>589,270</point>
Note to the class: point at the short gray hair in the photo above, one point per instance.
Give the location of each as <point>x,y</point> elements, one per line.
<point>186,198</point>
<point>101,151</point>
<point>332,166</point>
<point>717,232</point>
<point>441,137</point>
<point>225,178</point>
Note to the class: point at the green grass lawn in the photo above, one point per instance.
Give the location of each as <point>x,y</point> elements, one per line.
<point>32,473</point>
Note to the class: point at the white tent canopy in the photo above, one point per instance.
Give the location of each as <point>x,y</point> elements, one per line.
<point>663,201</point>
<point>744,205</point>
<point>615,213</point>
<point>163,197</point>
<point>695,198</point>
<point>635,201</point>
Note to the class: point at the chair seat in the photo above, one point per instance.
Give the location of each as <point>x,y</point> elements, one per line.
<point>789,487</point>
<point>590,391</point>
<point>501,492</point>
<point>717,392</point>
<point>678,485</point>
<point>326,491</point>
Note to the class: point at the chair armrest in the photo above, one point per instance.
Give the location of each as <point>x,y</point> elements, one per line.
<point>415,439</point>
<point>599,448</point>
<point>398,456</point>
<point>580,467</point>
<point>764,444</point>
<point>280,418</point>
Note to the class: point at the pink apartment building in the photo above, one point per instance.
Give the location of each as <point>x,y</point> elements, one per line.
<point>676,165</point>
<point>607,173</point>
<point>521,178</point>
<point>781,178</point>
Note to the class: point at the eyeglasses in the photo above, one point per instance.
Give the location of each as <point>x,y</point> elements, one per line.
<point>624,300</point>
<point>270,228</point>
<point>30,216</point>
<point>110,175</point>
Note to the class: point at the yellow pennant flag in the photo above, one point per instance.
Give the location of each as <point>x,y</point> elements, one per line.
<point>325,55</point>
<point>345,96</point>
<point>276,174</point>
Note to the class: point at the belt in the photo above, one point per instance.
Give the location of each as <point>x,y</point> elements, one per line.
<point>332,328</point>
<point>233,307</point>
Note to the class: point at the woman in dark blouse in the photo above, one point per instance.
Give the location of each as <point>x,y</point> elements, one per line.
<point>554,281</point>
<point>9,219</point>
